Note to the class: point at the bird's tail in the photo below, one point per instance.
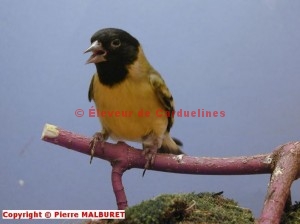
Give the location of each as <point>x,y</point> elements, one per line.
<point>170,145</point>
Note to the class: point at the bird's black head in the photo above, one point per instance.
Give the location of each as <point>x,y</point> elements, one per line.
<point>113,50</point>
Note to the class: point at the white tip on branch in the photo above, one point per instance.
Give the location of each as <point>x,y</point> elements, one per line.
<point>50,131</point>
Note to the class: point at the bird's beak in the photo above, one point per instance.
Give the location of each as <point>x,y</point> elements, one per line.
<point>99,53</point>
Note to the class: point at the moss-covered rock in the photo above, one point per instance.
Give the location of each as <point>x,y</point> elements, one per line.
<point>185,209</point>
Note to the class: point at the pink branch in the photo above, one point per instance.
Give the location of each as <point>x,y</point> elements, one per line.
<point>116,179</point>
<point>123,157</point>
<point>286,170</point>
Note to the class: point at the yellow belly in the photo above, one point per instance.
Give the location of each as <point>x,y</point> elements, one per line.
<point>128,111</point>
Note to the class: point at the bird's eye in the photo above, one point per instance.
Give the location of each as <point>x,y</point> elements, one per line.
<point>116,43</point>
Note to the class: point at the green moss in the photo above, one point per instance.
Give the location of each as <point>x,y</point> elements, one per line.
<point>185,209</point>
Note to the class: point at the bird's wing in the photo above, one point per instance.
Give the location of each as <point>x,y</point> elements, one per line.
<point>164,95</point>
<point>91,92</point>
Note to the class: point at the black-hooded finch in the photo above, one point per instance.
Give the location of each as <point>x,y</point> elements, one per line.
<point>126,85</point>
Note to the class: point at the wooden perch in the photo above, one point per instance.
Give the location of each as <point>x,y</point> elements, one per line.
<point>283,163</point>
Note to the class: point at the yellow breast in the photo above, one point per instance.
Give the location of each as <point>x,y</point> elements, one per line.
<point>129,110</point>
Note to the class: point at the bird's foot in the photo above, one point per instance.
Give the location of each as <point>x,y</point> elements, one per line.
<point>97,137</point>
<point>149,152</point>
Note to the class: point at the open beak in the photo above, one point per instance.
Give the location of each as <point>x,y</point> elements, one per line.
<point>99,53</point>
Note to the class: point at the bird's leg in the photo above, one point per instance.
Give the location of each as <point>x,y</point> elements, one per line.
<point>150,147</point>
<point>97,137</point>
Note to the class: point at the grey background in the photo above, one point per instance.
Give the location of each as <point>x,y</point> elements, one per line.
<point>242,57</point>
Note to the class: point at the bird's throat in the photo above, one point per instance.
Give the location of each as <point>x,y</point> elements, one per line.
<point>111,74</point>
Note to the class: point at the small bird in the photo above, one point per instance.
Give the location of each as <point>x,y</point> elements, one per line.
<point>125,81</point>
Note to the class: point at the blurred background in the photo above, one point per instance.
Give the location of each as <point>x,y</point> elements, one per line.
<point>242,57</point>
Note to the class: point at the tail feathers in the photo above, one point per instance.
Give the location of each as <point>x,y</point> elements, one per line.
<point>171,146</point>
<point>177,141</point>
